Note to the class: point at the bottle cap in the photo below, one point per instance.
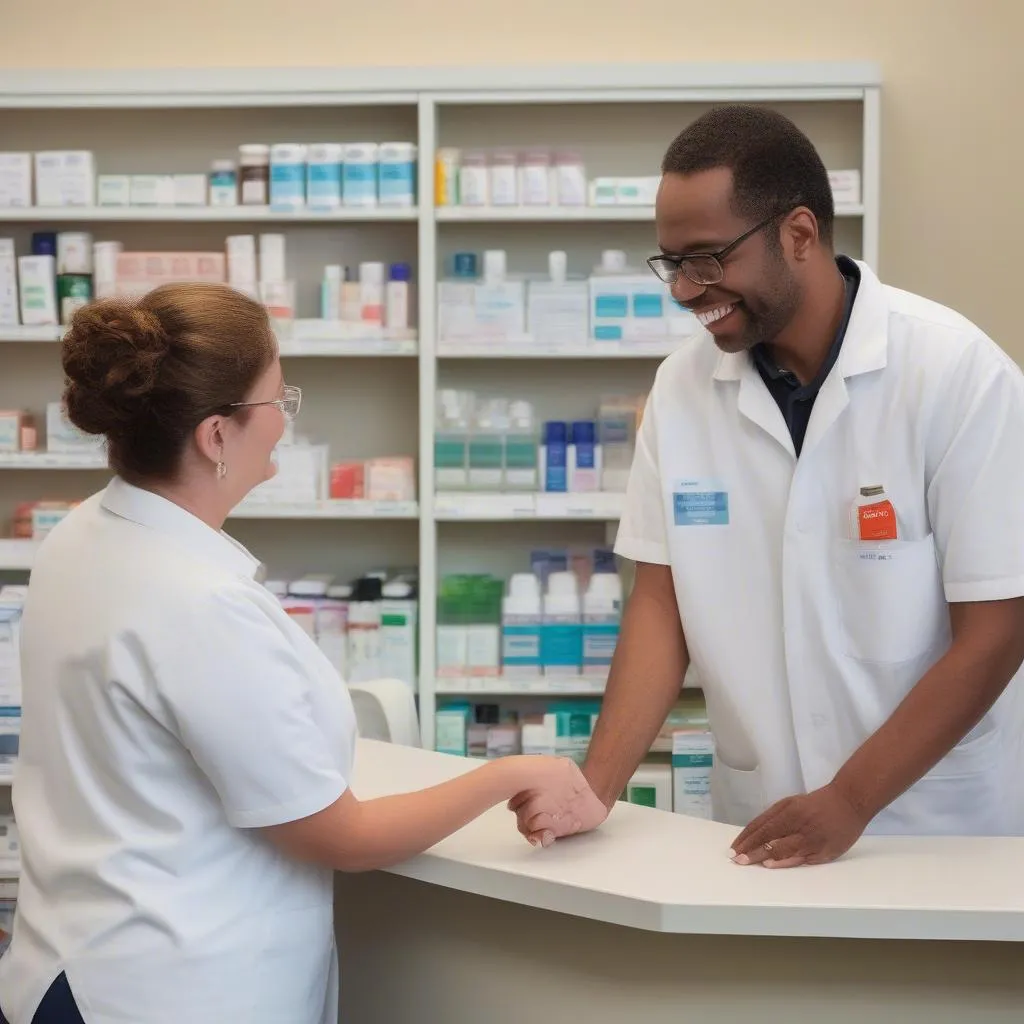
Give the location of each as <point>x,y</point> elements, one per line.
<point>556,432</point>
<point>583,432</point>
<point>400,272</point>
<point>464,264</point>
<point>613,261</point>
<point>524,584</point>
<point>371,273</point>
<point>332,272</point>
<point>495,264</point>
<point>44,243</point>
<point>557,266</point>
<point>563,583</point>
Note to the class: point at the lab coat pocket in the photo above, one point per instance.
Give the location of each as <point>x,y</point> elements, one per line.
<point>959,796</point>
<point>890,599</point>
<point>737,796</point>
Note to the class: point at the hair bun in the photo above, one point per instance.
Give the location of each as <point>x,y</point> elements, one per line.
<point>111,353</point>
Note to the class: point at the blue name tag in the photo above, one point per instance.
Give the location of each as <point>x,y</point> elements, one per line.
<point>700,503</point>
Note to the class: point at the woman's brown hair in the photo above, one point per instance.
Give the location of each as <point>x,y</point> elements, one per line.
<point>145,373</point>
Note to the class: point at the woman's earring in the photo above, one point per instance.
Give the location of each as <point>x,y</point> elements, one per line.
<point>222,470</point>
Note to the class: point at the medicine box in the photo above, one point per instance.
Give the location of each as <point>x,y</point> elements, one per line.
<point>301,478</point>
<point>65,178</point>
<point>189,189</point>
<point>557,313</point>
<point>152,190</point>
<point>63,436</point>
<point>651,786</point>
<point>693,755</point>
<point>8,283</point>
<point>500,308</point>
<point>390,479</point>
<point>140,272</point>
<point>11,421</point>
<point>113,190</point>
<point>15,180</point>
<point>628,307</point>
<point>37,288</point>
<point>451,725</point>
<point>845,187</point>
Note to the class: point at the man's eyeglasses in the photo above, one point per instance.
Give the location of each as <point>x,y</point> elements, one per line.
<point>289,402</point>
<point>703,268</point>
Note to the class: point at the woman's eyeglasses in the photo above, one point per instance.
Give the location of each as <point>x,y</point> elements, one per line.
<point>289,402</point>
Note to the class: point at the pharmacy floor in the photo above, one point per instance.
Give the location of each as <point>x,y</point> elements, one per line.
<point>647,920</point>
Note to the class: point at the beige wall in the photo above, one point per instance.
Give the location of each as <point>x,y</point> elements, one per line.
<point>952,216</point>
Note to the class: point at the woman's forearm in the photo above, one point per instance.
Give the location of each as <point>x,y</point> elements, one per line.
<point>354,835</point>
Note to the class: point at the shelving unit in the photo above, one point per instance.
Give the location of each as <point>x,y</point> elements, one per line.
<point>620,117</point>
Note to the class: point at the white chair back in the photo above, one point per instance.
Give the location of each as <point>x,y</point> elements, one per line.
<point>386,710</point>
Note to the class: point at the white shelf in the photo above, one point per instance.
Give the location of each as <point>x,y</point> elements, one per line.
<point>377,406</point>
<point>526,348</point>
<point>586,214</point>
<point>339,347</point>
<point>53,460</point>
<point>540,686</point>
<point>354,509</point>
<point>211,214</point>
<point>467,506</point>
<point>10,867</point>
<point>305,345</point>
<point>29,334</point>
<point>17,554</point>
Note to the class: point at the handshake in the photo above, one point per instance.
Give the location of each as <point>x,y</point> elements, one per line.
<point>556,801</point>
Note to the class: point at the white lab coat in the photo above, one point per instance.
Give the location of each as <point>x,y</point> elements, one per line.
<point>806,641</point>
<point>171,708</point>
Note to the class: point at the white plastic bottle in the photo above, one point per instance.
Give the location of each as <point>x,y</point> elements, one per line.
<point>584,458</point>
<point>330,293</point>
<point>521,448</point>
<point>561,640</point>
<point>364,631</point>
<point>396,313</point>
<point>521,617</point>
<point>371,295</point>
<point>451,440</point>
<point>602,615</point>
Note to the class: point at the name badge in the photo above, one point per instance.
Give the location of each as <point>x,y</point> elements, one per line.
<point>700,503</point>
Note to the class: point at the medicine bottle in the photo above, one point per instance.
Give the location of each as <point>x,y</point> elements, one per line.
<point>446,177</point>
<point>570,179</point>
<point>254,161</point>
<point>535,178</point>
<point>473,179</point>
<point>223,183</point>
<point>504,178</point>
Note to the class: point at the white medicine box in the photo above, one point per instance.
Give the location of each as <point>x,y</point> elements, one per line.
<point>15,180</point>
<point>63,436</point>
<point>693,757</point>
<point>65,178</point>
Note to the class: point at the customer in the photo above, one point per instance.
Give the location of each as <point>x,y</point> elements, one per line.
<point>182,793</point>
<point>828,519</point>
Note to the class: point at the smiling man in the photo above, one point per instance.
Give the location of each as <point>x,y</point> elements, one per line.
<point>826,508</point>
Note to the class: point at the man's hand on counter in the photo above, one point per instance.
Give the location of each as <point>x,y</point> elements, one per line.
<point>542,819</point>
<point>812,828</point>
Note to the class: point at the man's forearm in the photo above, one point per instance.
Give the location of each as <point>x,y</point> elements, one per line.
<point>950,699</point>
<point>644,682</point>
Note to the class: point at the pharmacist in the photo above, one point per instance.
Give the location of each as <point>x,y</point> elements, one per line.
<point>826,509</point>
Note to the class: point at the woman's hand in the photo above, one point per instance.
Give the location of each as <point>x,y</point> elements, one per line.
<point>558,802</point>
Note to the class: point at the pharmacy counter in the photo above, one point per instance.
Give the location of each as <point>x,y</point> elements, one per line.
<point>648,917</point>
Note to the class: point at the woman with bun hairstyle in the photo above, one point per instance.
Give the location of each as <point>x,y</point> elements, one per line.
<point>182,792</point>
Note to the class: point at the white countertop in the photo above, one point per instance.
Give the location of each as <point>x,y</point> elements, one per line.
<point>668,873</point>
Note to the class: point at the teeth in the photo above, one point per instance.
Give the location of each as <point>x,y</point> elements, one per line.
<point>711,315</point>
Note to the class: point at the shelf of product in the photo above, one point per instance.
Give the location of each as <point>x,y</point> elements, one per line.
<point>541,184</point>
<point>560,621</point>
<point>366,304</point>
<point>327,179</point>
<point>558,469</point>
<point>468,286</point>
<point>367,627</point>
<point>614,303</point>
